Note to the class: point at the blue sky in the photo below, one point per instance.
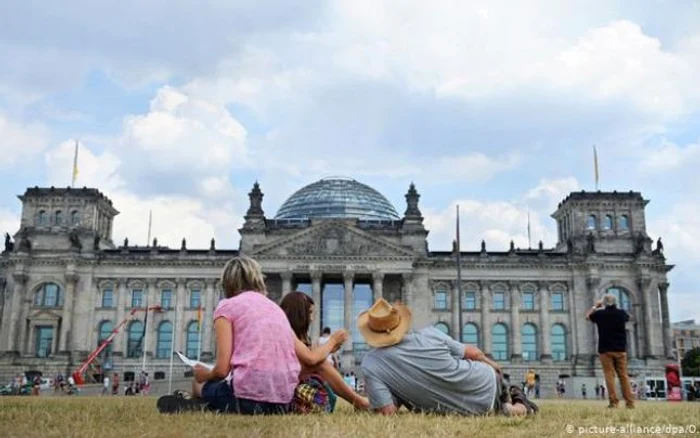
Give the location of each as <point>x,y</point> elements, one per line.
<point>181,106</point>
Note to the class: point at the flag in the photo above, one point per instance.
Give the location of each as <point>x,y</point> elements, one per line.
<point>595,165</point>
<point>150,220</point>
<point>75,165</point>
<point>199,317</point>
<point>458,243</point>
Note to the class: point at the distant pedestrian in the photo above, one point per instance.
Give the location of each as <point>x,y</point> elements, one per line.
<point>105,386</point>
<point>597,391</point>
<point>602,392</point>
<point>537,386</point>
<point>583,391</point>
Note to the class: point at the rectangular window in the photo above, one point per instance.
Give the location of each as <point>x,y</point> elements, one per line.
<point>469,301</point>
<point>440,300</point>
<point>557,301</point>
<point>528,301</point>
<point>499,301</point>
<point>44,341</point>
<point>107,298</point>
<point>166,299</point>
<point>137,298</point>
<point>195,298</point>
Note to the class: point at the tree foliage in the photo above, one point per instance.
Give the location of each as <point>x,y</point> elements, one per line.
<point>691,362</point>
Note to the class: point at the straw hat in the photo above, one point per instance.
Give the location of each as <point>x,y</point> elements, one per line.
<point>384,325</point>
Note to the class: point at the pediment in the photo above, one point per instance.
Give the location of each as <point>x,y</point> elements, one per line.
<point>330,239</point>
<point>44,315</point>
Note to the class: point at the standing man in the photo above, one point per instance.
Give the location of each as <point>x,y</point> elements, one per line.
<point>530,382</point>
<point>597,391</point>
<point>583,391</point>
<point>612,347</point>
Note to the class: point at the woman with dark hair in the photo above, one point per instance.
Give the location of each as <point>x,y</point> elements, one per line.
<point>299,309</point>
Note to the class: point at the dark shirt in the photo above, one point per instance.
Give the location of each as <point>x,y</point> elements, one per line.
<point>612,336</point>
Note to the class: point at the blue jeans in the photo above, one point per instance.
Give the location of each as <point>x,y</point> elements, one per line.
<point>219,395</point>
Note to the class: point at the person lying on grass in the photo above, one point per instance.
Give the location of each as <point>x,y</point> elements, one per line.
<point>427,371</point>
<point>299,309</point>
<point>256,369</point>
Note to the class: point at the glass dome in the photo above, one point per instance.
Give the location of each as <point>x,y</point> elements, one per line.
<point>337,198</point>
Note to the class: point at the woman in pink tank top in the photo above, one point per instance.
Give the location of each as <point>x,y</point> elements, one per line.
<point>256,368</point>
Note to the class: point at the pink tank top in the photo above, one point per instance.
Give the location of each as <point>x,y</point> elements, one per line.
<point>264,364</point>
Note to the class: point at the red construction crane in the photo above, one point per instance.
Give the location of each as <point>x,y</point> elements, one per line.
<point>78,375</point>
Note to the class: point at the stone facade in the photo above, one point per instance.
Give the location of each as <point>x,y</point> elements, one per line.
<point>524,307</point>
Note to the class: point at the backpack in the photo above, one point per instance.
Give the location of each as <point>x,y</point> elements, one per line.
<point>313,395</point>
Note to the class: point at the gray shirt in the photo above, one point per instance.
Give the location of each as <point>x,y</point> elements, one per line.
<point>427,372</point>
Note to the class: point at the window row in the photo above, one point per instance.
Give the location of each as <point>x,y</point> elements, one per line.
<point>499,300</point>
<point>57,218</point>
<point>500,340</point>
<point>606,222</point>
<point>164,338</point>
<point>137,298</point>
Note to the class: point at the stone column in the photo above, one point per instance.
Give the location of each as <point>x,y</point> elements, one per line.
<point>485,310</point>
<point>378,285</point>
<point>65,338</point>
<point>545,327</point>
<point>348,277</point>
<point>407,289</point>
<point>286,282</point>
<point>456,329</point>
<point>644,284</point>
<point>316,295</point>
<point>151,300</point>
<point>516,350</point>
<point>179,325</point>
<point>210,303</point>
<point>17,335</point>
<point>120,302</point>
<point>668,336</point>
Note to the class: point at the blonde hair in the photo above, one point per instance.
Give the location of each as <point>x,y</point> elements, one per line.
<point>242,274</point>
<point>610,300</point>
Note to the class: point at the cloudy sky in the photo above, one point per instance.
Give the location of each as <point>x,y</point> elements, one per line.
<point>180,106</point>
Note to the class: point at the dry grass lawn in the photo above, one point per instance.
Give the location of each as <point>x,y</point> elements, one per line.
<point>137,417</point>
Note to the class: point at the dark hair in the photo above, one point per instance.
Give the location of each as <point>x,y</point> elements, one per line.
<point>297,307</point>
<point>326,330</point>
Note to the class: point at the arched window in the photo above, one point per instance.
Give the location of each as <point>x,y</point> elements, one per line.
<point>195,298</point>
<point>105,330</point>
<point>592,222</point>
<point>134,347</point>
<point>440,299</point>
<point>42,219</point>
<point>166,298</point>
<point>165,339</point>
<point>623,223</point>
<point>607,222</point>
<point>528,298</point>
<point>58,218</point>
<point>192,347</point>
<point>623,298</point>
<point>443,328</point>
<point>75,218</point>
<point>499,342</point>
<point>48,295</point>
<point>558,342</point>
<point>529,342</point>
<point>470,334</point>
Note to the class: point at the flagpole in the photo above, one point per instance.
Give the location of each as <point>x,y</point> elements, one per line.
<point>529,239</point>
<point>172,355</point>
<point>459,280</point>
<point>199,335</point>
<point>150,221</point>
<point>145,337</point>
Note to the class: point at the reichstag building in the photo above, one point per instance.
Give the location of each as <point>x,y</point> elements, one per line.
<point>66,285</point>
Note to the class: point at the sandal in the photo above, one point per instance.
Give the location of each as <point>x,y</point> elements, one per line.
<point>518,396</point>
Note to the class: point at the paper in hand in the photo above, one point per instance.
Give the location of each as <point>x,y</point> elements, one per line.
<point>192,363</point>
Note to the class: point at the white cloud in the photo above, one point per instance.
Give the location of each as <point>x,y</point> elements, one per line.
<point>473,167</point>
<point>20,142</point>
<point>669,156</point>
<point>9,223</point>
<point>184,135</point>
